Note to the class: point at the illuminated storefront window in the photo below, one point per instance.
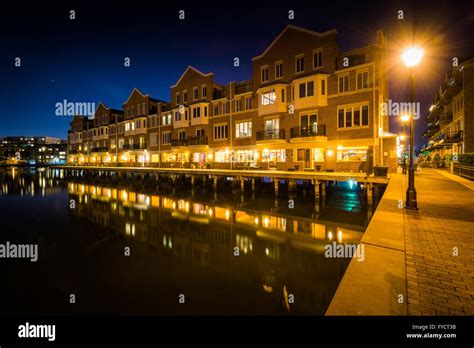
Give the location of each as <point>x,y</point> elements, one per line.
<point>352,155</point>
<point>222,156</point>
<point>244,155</point>
<point>318,155</point>
<point>274,155</point>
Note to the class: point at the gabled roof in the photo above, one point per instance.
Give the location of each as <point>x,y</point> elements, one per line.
<point>133,91</point>
<point>186,71</point>
<point>294,27</point>
<point>98,106</point>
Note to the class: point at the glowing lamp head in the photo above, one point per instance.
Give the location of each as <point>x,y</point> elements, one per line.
<point>405,118</point>
<point>412,56</point>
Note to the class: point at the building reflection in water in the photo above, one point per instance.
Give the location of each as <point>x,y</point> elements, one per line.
<point>253,253</point>
<point>281,253</point>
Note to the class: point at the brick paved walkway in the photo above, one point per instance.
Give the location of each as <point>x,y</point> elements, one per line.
<point>439,283</point>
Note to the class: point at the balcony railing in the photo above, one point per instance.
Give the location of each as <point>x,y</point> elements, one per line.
<point>465,170</point>
<point>453,137</point>
<point>134,146</point>
<point>243,87</point>
<point>99,149</point>
<point>178,142</point>
<point>192,141</point>
<point>319,131</point>
<point>270,134</point>
<point>139,146</point>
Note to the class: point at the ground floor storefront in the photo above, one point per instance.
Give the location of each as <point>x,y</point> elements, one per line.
<point>349,156</point>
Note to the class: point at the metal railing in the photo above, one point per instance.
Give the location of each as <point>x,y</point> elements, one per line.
<point>270,134</point>
<point>297,132</point>
<point>191,141</point>
<point>178,142</point>
<point>203,140</point>
<point>99,149</point>
<point>464,170</point>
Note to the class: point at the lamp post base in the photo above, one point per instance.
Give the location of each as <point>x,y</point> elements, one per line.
<point>411,199</point>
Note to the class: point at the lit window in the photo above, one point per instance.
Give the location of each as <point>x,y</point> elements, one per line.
<point>269,98</point>
<point>243,129</point>
<point>348,155</point>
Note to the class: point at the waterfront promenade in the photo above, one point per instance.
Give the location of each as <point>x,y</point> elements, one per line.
<point>416,262</point>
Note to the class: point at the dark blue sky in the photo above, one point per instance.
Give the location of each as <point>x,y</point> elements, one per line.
<point>81,60</point>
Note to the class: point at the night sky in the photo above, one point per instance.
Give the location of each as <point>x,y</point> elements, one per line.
<point>81,60</point>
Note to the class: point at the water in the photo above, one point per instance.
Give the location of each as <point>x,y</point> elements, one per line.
<point>181,242</point>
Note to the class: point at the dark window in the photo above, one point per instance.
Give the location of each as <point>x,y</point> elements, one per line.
<point>323,87</point>
<point>265,74</point>
<point>356,117</point>
<point>282,95</point>
<point>279,70</point>
<point>365,115</point>
<point>299,64</point>
<point>310,89</point>
<point>317,59</point>
<point>349,118</point>
<point>302,90</point>
<point>340,117</point>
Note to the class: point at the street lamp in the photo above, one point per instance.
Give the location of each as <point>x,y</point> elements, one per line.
<point>412,58</point>
<point>404,118</point>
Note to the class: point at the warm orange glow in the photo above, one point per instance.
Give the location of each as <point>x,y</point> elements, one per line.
<point>405,118</point>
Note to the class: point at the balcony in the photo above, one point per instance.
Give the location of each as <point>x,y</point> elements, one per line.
<point>139,146</point>
<point>302,132</point>
<point>243,87</point>
<point>446,117</point>
<point>453,137</point>
<point>99,149</point>
<point>191,141</point>
<point>271,135</point>
<point>196,141</point>
<point>178,142</point>
<point>432,130</point>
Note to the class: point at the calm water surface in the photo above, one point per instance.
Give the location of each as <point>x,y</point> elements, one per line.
<point>181,241</point>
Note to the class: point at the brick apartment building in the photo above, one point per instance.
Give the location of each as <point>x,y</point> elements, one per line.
<point>450,122</point>
<point>306,106</point>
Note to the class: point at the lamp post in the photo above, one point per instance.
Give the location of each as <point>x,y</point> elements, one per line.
<point>412,57</point>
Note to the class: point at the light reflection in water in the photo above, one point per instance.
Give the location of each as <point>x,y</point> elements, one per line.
<point>276,250</point>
